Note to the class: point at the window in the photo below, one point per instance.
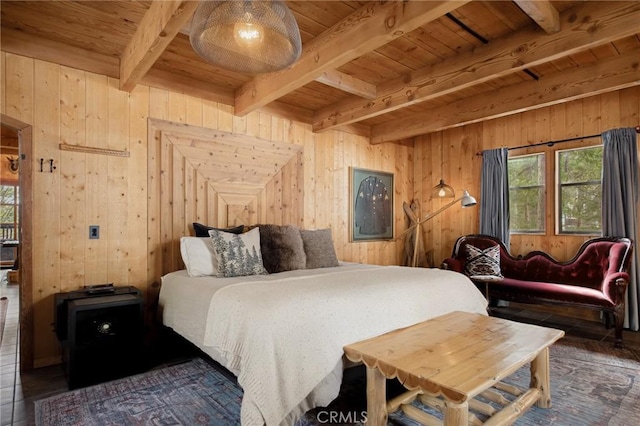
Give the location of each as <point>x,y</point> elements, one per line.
<point>527,193</point>
<point>9,202</point>
<point>579,190</point>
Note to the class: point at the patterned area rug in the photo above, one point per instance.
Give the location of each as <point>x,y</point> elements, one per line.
<point>591,384</point>
<point>192,393</point>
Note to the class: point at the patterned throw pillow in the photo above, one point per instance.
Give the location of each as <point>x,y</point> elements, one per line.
<point>483,263</point>
<point>237,255</point>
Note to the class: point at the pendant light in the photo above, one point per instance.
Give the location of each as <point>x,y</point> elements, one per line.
<point>246,36</point>
<point>442,190</point>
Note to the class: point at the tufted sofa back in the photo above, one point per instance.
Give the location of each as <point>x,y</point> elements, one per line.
<point>595,259</point>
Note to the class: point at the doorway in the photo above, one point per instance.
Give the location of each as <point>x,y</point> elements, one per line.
<point>9,203</point>
<point>19,229</point>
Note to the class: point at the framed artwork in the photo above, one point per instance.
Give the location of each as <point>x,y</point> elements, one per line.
<point>371,205</point>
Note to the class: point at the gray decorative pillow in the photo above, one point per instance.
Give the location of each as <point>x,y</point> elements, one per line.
<point>203,230</point>
<point>237,255</point>
<point>483,263</point>
<point>318,246</point>
<point>282,248</point>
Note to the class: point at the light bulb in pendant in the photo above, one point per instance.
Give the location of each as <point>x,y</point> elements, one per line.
<point>442,192</point>
<point>248,34</point>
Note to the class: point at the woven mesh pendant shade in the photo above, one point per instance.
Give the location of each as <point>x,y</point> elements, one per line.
<point>245,36</point>
<point>442,190</point>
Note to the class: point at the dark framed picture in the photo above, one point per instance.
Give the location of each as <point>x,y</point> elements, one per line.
<point>371,205</point>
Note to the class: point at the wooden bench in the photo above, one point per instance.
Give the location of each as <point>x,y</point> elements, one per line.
<point>448,361</point>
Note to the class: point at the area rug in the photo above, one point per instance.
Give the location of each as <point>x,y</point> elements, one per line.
<point>190,393</point>
<point>591,384</point>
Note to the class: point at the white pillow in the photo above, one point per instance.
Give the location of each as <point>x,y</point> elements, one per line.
<point>197,255</point>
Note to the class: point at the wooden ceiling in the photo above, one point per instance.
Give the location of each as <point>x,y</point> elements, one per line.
<point>389,70</point>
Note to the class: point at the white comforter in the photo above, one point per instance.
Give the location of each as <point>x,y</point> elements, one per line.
<point>283,334</point>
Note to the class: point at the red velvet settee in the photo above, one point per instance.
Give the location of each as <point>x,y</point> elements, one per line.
<point>595,278</point>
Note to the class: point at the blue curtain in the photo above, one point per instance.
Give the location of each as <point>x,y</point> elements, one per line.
<point>494,195</point>
<point>620,205</point>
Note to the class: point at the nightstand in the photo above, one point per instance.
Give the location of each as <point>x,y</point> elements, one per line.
<point>101,335</point>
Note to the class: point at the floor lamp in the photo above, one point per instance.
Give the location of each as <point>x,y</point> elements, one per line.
<point>466,200</point>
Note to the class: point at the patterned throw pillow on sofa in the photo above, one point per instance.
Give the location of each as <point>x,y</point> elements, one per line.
<point>483,263</point>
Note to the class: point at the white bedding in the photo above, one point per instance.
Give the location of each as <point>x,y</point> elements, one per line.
<point>282,334</point>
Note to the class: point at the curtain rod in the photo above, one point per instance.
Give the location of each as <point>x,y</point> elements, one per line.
<point>552,143</point>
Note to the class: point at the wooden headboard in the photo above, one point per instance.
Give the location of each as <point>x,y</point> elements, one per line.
<point>217,178</point>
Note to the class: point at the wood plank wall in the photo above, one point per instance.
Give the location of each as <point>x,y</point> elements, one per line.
<point>73,107</point>
<point>461,167</point>
<point>68,106</point>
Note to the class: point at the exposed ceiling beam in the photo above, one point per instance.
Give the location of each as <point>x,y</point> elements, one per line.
<point>188,86</point>
<point>374,25</point>
<point>158,27</point>
<point>586,26</point>
<point>615,74</point>
<point>542,12</point>
<point>24,44</point>
<point>212,92</point>
<point>347,83</point>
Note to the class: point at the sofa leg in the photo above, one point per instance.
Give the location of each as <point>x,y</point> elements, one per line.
<point>618,317</point>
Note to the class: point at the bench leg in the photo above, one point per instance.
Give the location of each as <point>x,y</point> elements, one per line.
<point>540,378</point>
<point>456,414</point>
<point>376,398</point>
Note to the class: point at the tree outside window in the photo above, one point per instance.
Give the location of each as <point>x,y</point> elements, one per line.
<point>9,203</point>
<point>526,194</point>
<point>579,195</point>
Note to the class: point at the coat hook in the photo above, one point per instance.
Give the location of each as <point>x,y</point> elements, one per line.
<point>51,166</point>
<point>41,163</point>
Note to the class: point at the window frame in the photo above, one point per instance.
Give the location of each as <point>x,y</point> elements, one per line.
<point>542,231</point>
<point>557,214</point>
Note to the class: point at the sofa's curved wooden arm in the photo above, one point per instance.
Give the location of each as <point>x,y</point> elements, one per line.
<point>620,289</point>
<point>452,264</point>
<point>614,285</point>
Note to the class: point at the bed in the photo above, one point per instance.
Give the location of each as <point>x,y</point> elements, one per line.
<point>275,307</point>
<point>282,334</point>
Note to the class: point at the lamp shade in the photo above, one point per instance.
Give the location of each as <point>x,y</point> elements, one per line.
<point>250,37</point>
<point>467,200</point>
<point>442,190</point>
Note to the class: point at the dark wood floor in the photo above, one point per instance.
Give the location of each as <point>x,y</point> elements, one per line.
<point>19,391</point>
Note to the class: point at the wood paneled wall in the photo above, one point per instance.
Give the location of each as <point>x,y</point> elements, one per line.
<point>73,107</point>
<point>461,167</point>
